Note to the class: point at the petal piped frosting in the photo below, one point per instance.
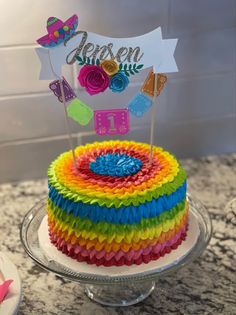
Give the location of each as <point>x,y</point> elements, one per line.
<point>115,208</point>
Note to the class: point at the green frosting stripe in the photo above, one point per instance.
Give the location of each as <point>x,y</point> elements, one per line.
<point>167,188</point>
<point>105,228</point>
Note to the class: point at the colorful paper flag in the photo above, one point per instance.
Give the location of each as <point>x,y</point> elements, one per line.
<point>148,85</point>
<point>139,104</point>
<point>68,91</point>
<point>111,121</point>
<point>80,112</point>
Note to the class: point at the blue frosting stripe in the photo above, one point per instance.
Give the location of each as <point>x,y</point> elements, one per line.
<point>123,215</point>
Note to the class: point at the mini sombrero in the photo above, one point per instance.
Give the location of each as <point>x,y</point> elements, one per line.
<point>58,31</point>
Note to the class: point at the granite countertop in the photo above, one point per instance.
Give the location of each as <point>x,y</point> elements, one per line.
<point>206,286</point>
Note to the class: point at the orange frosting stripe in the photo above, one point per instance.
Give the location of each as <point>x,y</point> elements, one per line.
<point>114,246</point>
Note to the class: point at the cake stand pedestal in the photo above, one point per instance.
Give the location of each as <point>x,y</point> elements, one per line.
<point>114,286</point>
<point>119,294</point>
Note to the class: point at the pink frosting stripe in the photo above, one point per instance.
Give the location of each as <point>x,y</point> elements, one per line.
<point>130,255</point>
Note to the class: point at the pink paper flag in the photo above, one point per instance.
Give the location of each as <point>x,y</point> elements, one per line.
<point>4,289</point>
<point>111,121</point>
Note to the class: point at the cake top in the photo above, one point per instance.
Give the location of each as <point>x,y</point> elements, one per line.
<point>115,174</point>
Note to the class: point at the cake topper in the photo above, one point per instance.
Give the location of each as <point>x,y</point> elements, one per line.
<point>105,64</point>
<point>148,50</point>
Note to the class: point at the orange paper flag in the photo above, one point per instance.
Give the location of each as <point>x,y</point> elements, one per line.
<point>148,86</point>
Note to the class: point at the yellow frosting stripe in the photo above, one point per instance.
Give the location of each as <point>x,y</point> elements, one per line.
<point>113,246</point>
<point>118,236</point>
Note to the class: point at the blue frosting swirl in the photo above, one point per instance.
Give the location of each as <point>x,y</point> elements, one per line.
<point>123,215</point>
<point>115,164</point>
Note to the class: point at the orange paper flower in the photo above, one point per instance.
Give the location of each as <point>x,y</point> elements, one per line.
<point>110,66</point>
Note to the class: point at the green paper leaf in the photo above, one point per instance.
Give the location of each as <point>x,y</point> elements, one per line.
<point>97,62</point>
<point>130,69</point>
<point>93,61</point>
<point>88,60</point>
<point>78,58</point>
<point>80,112</point>
<point>139,66</point>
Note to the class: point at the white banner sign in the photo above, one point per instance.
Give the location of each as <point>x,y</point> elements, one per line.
<point>150,50</point>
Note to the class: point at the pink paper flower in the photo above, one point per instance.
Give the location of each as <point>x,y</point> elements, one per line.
<point>93,78</point>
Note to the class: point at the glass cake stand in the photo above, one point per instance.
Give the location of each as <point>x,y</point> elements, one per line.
<point>113,289</point>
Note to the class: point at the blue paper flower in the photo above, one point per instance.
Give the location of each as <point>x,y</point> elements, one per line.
<point>118,82</point>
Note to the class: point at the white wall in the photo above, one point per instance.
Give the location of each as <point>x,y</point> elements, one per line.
<point>196,111</point>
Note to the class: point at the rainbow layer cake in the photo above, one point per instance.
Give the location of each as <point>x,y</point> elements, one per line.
<point>114,207</point>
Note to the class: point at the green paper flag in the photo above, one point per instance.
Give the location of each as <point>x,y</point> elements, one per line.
<point>80,112</point>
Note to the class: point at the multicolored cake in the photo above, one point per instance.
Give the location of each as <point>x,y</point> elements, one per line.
<point>114,208</point>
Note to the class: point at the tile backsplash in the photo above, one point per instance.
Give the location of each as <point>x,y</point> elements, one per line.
<point>196,112</point>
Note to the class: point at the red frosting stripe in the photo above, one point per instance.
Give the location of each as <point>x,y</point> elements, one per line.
<point>143,258</point>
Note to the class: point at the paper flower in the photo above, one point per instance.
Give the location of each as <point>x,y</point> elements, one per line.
<point>118,82</point>
<point>109,66</point>
<point>93,78</point>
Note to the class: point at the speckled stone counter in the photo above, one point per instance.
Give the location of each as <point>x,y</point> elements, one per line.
<point>206,286</point>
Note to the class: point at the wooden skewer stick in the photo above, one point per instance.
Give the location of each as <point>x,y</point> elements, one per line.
<point>153,116</point>
<point>67,123</point>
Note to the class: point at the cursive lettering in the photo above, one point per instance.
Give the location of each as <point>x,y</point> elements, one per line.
<point>87,49</point>
<point>136,52</point>
<point>123,54</point>
<point>71,57</point>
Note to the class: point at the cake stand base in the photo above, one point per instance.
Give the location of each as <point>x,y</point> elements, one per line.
<point>119,295</point>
